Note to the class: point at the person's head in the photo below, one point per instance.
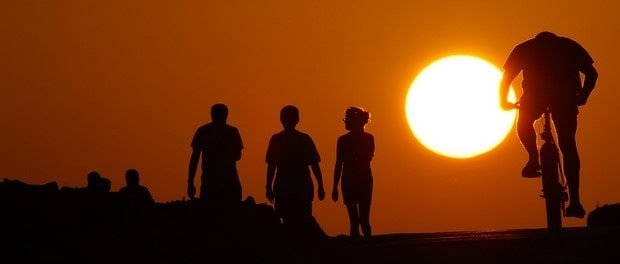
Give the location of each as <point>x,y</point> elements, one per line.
<point>93,179</point>
<point>545,36</point>
<point>105,185</point>
<point>355,118</point>
<point>219,113</point>
<point>132,177</point>
<point>289,116</point>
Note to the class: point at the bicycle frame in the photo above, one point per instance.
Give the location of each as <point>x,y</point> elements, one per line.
<point>554,190</point>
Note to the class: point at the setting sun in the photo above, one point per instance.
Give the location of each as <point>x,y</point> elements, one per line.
<point>452,107</point>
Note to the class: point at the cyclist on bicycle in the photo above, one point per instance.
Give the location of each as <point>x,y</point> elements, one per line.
<point>551,68</point>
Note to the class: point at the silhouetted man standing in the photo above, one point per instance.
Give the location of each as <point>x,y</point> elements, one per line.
<point>220,146</point>
<point>289,157</point>
<point>552,68</point>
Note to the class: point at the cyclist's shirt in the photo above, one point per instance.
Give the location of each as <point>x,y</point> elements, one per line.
<point>550,68</point>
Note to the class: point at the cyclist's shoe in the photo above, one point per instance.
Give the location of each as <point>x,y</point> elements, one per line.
<point>575,210</point>
<point>531,170</point>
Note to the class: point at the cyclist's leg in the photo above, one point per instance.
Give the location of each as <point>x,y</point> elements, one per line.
<point>566,128</point>
<point>528,114</point>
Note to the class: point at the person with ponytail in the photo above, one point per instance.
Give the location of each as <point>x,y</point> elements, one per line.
<point>354,152</point>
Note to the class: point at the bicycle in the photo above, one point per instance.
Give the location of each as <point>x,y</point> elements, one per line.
<point>553,181</point>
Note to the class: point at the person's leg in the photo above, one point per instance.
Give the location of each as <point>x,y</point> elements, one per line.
<point>353,219</point>
<point>281,210</point>
<point>300,217</point>
<point>203,188</point>
<point>235,189</point>
<point>527,136</point>
<point>566,129</point>
<point>364,209</point>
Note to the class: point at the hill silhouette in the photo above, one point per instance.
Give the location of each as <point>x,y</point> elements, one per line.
<point>48,223</point>
<point>45,223</point>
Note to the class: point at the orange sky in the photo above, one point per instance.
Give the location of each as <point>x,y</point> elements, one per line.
<point>111,85</point>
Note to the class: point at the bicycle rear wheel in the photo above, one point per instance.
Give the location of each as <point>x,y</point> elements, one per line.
<point>552,187</point>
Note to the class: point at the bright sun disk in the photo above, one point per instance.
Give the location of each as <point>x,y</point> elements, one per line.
<point>453,107</point>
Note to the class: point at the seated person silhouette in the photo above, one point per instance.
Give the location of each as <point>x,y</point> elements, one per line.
<point>96,183</point>
<point>98,187</point>
<point>133,194</point>
<point>95,198</point>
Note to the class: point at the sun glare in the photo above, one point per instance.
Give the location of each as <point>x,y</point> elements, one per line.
<point>453,109</point>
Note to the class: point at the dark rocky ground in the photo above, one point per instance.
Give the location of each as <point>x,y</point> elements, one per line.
<point>50,226</point>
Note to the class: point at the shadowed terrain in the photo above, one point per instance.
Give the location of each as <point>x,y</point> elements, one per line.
<point>43,223</point>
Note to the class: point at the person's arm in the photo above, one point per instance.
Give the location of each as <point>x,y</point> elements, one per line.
<point>371,153</point>
<point>316,170</point>
<point>239,146</point>
<point>271,171</point>
<point>507,78</point>
<point>337,173</point>
<point>148,197</point>
<point>193,165</point>
<point>591,75</point>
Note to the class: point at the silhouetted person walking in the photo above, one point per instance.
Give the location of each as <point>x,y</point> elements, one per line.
<point>551,68</point>
<point>289,156</point>
<point>354,151</point>
<point>220,146</point>
<point>133,194</point>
